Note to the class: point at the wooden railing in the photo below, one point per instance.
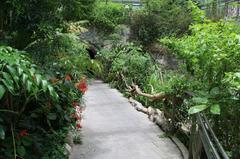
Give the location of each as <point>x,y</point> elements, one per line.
<point>203,141</point>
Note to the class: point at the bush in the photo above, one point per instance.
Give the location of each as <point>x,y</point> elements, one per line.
<point>62,54</point>
<point>108,16</point>
<point>125,58</point>
<point>211,56</point>
<point>27,109</point>
<point>162,18</point>
<point>33,110</point>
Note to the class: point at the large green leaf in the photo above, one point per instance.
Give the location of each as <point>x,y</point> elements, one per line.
<point>38,79</point>
<point>24,78</point>
<point>200,100</point>
<point>20,71</point>
<point>2,91</point>
<point>29,86</point>
<point>215,109</point>
<point>52,92</point>
<point>197,108</point>
<point>21,151</point>
<point>8,84</point>
<point>44,85</point>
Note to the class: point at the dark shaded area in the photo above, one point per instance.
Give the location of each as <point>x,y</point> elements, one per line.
<point>92,51</point>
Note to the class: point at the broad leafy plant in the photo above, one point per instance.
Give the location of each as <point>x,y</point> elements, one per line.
<point>211,57</point>
<point>23,89</point>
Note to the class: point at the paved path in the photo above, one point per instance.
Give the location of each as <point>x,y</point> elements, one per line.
<point>113,129</point>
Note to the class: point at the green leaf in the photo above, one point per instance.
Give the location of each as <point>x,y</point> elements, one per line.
<point>52,116</point>
<point>9,85</point>
<point>13,72</point>
<point>215,109</point>
<point>197,108</point>
<point>44,85</point>
<point>29,86</point>
<point>215,91</point>
<point>11,69</point>
<point>24,78</point>
<point>200,100</point>
<point>38,79</point>
<point>2,91</point>
<point>52,92</point>
<point>7,76</point>
<point>2,133</point>
<point>20,71</point>
<point>21,151</point>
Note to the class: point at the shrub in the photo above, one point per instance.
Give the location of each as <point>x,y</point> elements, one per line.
<point>108,16</point>
<point>25,96</point>
<point>162,18</point>
<point>126,64</point>
<point>211,56</point>
<point>34,110</point>
<point>49,49</point>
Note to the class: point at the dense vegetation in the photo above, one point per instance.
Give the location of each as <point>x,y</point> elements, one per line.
<point>45,64</point>
<point>163,18</point>
<point>207,78</point>
<point>41,88</point>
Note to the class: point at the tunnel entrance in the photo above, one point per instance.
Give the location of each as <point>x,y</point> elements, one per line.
<point>92,52</point>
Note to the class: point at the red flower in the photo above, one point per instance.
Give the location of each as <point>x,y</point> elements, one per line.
<point>23,133</point>
<point>74,104</point>
<point>82,85</point>
<point>79,126</point>
<point>68,77</point>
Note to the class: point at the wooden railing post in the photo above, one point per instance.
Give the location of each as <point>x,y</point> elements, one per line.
<point>195,144</point>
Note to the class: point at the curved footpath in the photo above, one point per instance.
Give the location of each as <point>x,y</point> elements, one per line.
<point>113,129</point>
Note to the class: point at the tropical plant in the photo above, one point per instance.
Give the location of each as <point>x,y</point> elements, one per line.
<point>23,89</point>
<point>210,57</point>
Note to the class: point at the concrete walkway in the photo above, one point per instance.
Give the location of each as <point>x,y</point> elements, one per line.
<point>113,129</point>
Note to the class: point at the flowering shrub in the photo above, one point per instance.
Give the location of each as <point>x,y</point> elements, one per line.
<point>33,110</point>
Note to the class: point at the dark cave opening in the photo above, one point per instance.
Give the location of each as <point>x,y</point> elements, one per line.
<point>92,52</point>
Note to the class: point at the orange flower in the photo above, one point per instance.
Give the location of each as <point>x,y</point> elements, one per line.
<point>82,85</point>
<point>68,77</point>
<point>23,133</point>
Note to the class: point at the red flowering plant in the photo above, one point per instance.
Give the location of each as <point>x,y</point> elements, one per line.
<point>71,90</point>
<point>82,85</point>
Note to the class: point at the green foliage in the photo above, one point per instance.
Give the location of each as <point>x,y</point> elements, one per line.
<point>32,109</point>
<point>163,18</point>
<point>75,10</point>
<point>211,57</point>
<point>26,94</point>
<point>64,54</point>
<point>22,22</point>
<point>58,151</point>
<point>107,16</point>
<point>49,49</point>
<point>125,58</point>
